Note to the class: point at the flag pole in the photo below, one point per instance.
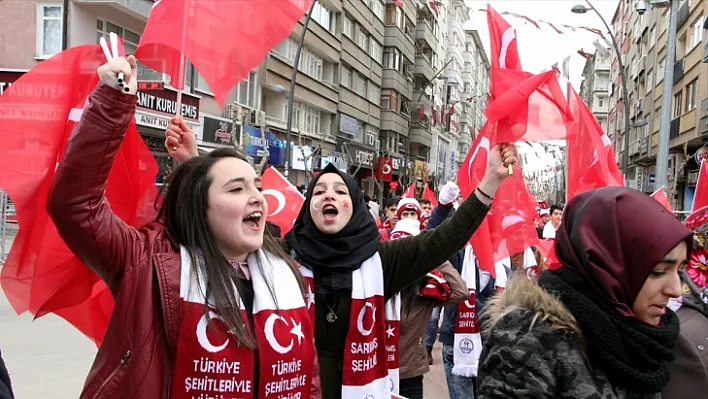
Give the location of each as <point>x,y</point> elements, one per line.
<point>182,59</point>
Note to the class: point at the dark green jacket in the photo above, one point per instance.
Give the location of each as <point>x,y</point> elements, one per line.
<point>404,261</point>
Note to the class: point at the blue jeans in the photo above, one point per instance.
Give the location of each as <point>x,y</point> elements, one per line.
<point>433,327</point>
<point>458,387</point>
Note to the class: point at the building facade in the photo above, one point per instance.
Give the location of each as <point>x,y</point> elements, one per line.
<point>644,41</point>
<point>365,86</point>
<point>594,89</point>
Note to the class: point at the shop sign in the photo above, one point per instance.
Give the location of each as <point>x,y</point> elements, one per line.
<point>165,101</point>
<point>254,145</point>
<point>7,78</point>
<point>338,159</point>
<point>396,163</point>
<point>217,131</point>
<point>161,122</point>
<point>349,125</point>
<point>363,157</point>
<point>299,160</point>
<point>453,165</point>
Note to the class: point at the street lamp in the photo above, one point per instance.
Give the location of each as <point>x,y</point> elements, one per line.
<point>581,9</point>
<point>291,94</point>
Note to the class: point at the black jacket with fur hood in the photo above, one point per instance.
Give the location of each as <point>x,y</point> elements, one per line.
<point>533,348</point>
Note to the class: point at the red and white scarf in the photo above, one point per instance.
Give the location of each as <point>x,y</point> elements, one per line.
<point>370,367</point>
<point>468,340</point>
<point>210,362</point>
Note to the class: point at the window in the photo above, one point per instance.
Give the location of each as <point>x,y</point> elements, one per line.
<point>130,38</point>
<point>346,77</point>
<point>359,84</point>
<point>392,58</point>
<point>201,84</point>
<point>697,33</point>
<point>652,37</point>
<point>307,118</point>
<point>394,16</point>
<point>650,80</point>
<point>666,19</point>
<point>376,51</point>
<point>348,28</point>
<point>322,15</point>
<point>600,102</point>
<point>660,70</point>
<point>310,63</point>
<point>375,94</point>
<point>678,102</point>
<point>49,30</point>
<point>363,40</point>
<point>691,95</point>
<point>378,8</point>
<point>247,91</point>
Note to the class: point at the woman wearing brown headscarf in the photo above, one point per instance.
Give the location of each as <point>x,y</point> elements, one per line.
<point>599,326</point>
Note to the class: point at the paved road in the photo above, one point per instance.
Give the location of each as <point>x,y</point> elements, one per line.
<point>47,358</point>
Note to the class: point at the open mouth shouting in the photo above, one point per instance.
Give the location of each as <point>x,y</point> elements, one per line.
<point>253,220</point>
<point>329,213</point>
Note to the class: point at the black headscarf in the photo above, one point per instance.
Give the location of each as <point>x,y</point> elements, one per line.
<point>333,257</point>
<point>608,244</point>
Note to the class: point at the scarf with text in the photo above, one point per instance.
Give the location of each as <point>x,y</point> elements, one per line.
<point>468,340</point>
<point>210,363</point>
<point>370,364</point>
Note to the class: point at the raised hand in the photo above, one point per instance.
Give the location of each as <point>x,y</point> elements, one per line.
<point>448,193</point>
<point>180,141</point>
<point>500,158</point>
<point>108,73</point>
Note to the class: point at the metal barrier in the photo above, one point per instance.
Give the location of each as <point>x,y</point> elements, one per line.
<point>8,225</point>
<point>681,215</point>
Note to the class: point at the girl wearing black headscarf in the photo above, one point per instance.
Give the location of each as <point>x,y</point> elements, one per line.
<point>599,326</point>
<point>337,242</point>
<point>353,276</point>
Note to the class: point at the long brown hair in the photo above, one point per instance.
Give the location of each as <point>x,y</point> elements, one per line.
<point>184,215</point>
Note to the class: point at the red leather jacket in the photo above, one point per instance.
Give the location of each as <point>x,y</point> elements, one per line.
<point>140,266</point>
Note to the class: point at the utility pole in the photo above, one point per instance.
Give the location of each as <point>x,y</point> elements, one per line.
<point>662,155</point>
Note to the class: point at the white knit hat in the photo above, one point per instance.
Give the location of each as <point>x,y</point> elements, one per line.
<point>408,204</point>
<point>405,228</point>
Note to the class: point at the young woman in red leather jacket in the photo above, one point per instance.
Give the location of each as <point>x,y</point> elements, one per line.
<point>251,337</point>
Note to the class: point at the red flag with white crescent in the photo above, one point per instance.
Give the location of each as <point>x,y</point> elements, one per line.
<point>284,200</point>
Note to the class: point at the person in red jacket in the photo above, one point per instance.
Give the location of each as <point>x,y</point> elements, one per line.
<point>207,304</point>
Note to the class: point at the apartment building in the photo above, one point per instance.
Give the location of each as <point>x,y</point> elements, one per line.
<point>594,89</point>
<point>645,41</point>
<point>364,87</point>
<point>475,80</point>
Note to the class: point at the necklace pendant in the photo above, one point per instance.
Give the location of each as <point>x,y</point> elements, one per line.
<point>331,316</point>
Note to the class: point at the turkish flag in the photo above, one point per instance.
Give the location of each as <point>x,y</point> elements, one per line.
<point>700,198</point>
<point>508,228</point>
<point>528,107</point>
<point>398,3</point>
<point>385,170</point>
<point>430,196</point>
<point>548,250</point>
<point>284,201</point>
<point>37,115</point>
<point>410,191</point>
<point>660,196</point>
<point>223,39</point>
<point>591,159</point>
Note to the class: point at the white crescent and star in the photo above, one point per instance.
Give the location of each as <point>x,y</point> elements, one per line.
<point>467,302</point>
<point>390,331</point>
<point>508,37</point>
<point>202,333</point>
<point>310,297</point>
<point>386,169</point>
<point>483,143</point>
<point>278,197</point>
<point>270,335</point>
<point>360,319</point>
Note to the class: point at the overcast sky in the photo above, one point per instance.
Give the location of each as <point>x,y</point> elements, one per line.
<point>539,49</point>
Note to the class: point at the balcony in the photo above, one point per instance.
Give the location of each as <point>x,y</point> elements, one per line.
<point>424,33</point>
<point>423,67</point>
<point>601,86</point>
<point>465,95</point>
<point>424,99</point>
<point>634,147</point>
<point>644,146</point>
<point>393,36</point>
<point>421,134</point>
<point>139,9</point>
<point>675,128</point>
<point>394,121</point>
<point>467,76</point>
<point>392,79</point>
<point>682,15</point>
<point>678,70</point>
